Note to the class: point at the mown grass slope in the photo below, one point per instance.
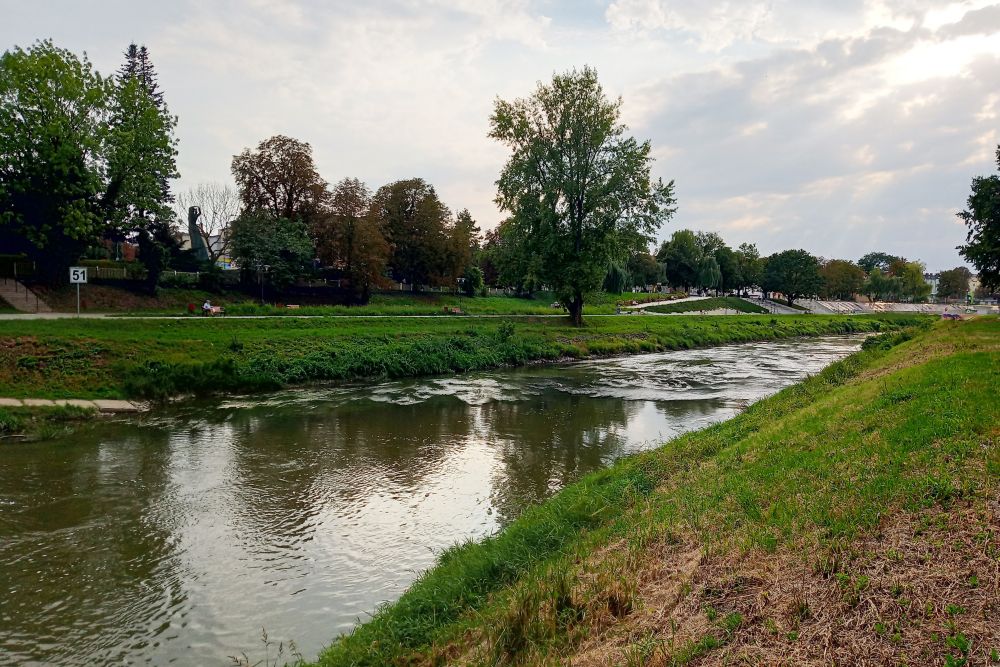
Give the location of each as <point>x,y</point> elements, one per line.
<point>853,517</point>
<point>161,358</point>
<point>712,303</point>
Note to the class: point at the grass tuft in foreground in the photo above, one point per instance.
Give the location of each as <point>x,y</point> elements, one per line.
<point>848,517</point>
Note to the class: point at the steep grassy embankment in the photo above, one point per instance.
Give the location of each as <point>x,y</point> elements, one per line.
<point>158,358</point>
<point>850,519</point>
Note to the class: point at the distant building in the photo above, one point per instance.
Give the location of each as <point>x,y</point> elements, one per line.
<point>933,279</point>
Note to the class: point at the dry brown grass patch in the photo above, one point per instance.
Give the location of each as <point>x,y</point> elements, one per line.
<point>922,591</point>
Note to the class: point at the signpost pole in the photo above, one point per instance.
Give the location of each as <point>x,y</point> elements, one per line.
<point>77,275</point>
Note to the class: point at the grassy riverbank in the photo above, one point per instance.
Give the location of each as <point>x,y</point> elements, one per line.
<point>849,518</point>
<point>21,424</point>
<point>159,358</point>
<point>712,303</point>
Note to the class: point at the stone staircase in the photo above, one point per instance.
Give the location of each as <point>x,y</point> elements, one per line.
<point>21,298</point>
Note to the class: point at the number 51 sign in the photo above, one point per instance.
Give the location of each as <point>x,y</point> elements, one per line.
<point>77,275</point>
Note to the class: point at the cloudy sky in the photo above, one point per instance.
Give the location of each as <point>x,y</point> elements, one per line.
<point>836,126</point>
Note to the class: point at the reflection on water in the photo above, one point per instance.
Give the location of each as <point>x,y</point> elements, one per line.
<point>175,538</point>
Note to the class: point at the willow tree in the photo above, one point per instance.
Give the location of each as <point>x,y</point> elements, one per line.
<point>577,186</point>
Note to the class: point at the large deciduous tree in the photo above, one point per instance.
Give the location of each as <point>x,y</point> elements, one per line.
<point>681,257</point>
<point>280,179</point>
<point>53,133</point>
<point>954,284</point>
<point>414,222</point>
<point>912,283</point>
<point>982,217</point>
<point>644,270</point>
<point>578,188</point>
<point>794,273</point>
<point>751,267</point>
<point>348,238</point>
<point>877,260</point>
<point>842,279</point>
<point>275,250</point>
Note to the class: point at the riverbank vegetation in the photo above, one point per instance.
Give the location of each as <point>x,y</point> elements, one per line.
<point>119,358</point>
<point>713,303</point>
<point>29,424</point>
<point>850,517</point>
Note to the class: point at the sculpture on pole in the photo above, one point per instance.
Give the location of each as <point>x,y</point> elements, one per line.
<point>197,240</point>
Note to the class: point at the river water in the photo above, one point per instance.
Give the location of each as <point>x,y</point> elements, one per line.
<point>174,538</point>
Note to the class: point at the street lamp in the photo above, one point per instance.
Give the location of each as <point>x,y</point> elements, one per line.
<point>261,268</point>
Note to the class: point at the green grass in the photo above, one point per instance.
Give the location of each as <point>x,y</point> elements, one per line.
<point>909,422</point>
<point>6,308</point>
<point>21,424</point>
<point>117,358</point>
<point>400,304</point>
<point>712,303</point>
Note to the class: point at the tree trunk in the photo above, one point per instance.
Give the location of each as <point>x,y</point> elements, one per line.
<point>575,307</point>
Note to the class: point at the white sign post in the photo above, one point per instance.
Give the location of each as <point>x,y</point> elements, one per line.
<point>77,276</point>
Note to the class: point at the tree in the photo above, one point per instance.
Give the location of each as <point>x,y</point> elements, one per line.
<point>139,65</point>
<point>143,151</point>
<point>954,284</point>
<point>877,260</point>
<point>141,161</point>
<point>280,179</point>
<point>729,269</point>
<point>709,274</point>
<point>513,262</point>
<point>794,273</point>
<point>414,222</point>
<point>982,217</point>
<point>463,243</point>
<point>616,280</point>
<point>472,281</point>
<point>349,239</point>
<point>577,187</point>
<point>681,257</point>
<point>880,286</point>
<point>842,279</point>
<point>751,267</point>
<point>220,206</point>
<point>278,248</point>
<point>644,269</point>
<point>52,149</point>
<point>913,286</point>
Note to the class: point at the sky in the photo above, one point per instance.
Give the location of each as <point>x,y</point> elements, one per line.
<point>840,127</point>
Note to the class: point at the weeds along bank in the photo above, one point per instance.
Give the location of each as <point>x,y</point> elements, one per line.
<point>850,518</point>
<point>163,358</point>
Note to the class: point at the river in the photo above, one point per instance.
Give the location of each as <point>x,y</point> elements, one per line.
<point>174,537</point>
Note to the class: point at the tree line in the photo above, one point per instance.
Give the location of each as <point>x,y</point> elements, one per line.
<point>86,158</point>
<point>83,157</point>
<point>292,220</point>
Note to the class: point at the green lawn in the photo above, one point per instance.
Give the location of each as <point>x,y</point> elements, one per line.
<point>843,486</point>
<point>156,358</point>
<point>712,303</point>
<point>6,307</point>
